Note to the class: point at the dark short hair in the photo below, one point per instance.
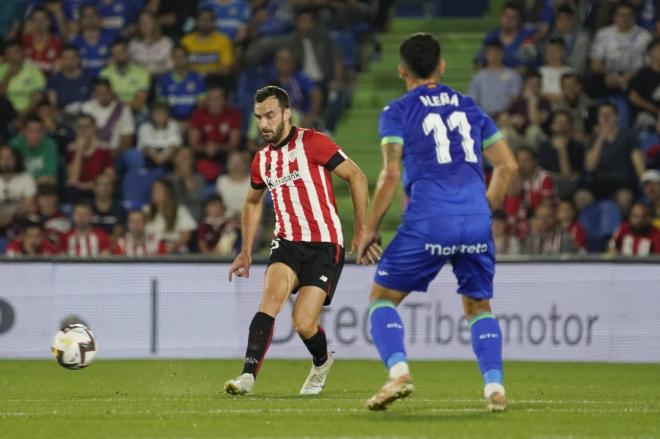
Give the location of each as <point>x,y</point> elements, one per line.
<point>201,11</point>
<point>420,53</point>
<point>557,41</point>
<point>624,4</point>
<point>214,198</point>
<point>72,48</point>
<point>528,149</point>
<point>273,91</point>
<point>19,162</point>
<point>654,42</point>
<point>566,9</point>
<point>514,6</point>
<point>83,204</point>
<point>11,43</point>
<point>569,75</point>
<point>39,9</point>
<point>87,116</point>
<point>610,104</point>
<point>532,74</point>
<point>304,10</point>
<point>119,42</point>
<point>562,112</point>
<point>31,224</point>
<point>102,81</point>
<point>47,189</point>
<point>494,43</point>
<point>33,119</point>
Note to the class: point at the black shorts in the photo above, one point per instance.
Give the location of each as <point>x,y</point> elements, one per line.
<point>317,264</point>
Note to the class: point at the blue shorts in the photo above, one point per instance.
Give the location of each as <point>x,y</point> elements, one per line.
<point>421,248</point>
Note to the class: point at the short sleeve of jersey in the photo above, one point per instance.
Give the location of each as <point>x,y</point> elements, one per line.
<point>391,127</point>
<point>489,132</point>
<point>323,151</point>
<point>256,181</point>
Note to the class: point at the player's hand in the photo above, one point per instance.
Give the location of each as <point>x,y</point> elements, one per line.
<point>240,266</point>
<point>368,250</point>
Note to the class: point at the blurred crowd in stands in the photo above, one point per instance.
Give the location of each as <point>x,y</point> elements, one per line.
<point>575,88</point>
<point>125,125</point>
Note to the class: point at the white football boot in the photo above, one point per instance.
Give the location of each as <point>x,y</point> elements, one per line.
<point>495,399</point>
<point>394,389</point>
<point>241,385</point>
<point>317,377</point>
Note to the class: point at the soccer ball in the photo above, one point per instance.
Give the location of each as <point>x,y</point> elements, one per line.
<point>74,346</point>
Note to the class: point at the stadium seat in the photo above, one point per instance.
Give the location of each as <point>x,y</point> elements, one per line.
<point>347,46</point>
<point>136,186</point>
<point>600,220</point>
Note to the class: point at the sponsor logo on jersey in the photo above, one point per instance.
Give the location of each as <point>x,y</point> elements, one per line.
<point>295,175</point>
<point>440,250</point>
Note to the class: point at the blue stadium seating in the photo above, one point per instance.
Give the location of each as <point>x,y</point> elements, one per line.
<point>600,220</point>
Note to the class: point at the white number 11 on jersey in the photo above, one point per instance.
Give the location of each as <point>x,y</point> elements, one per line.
<point>457,120</point>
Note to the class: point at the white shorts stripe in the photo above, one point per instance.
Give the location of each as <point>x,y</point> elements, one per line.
<point>313,196</point>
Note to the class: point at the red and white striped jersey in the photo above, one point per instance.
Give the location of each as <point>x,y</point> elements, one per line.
<point>298,173</point>
<point>91,244</point>
<point>151,246</point>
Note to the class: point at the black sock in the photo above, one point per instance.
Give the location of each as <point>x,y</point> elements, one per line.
<point>317,345</point>
<point>261,334</point>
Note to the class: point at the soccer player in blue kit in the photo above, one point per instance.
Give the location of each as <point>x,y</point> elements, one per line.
<point>441,137</point>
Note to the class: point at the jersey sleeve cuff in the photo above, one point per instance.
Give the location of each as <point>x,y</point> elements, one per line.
<point>257,186</point>
<point>492,139</point>
<point>391,139</point>
<point>335,161</point>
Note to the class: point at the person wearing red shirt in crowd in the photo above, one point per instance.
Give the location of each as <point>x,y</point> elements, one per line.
<point>637,237</point>
<point>214,132</point>
<point>42,49</point>
<point>85,240</point>
<point>47,212</point>
<point>86,160</point>
<point>529,188</point>
<point>567,218</point>
<point>31,242</point>
<point>217,235</point>
<point>136,242</point>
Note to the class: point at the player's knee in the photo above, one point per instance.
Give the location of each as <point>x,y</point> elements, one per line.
<point>304,325</point>
<point>474,307</point>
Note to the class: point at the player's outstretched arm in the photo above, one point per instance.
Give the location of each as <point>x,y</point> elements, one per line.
<point>505,168</point>
<point>249,222</point>
<point>357,181</point>
<point>388,181</point>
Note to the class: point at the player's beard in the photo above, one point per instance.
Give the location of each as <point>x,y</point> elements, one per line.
<point>276,137</point>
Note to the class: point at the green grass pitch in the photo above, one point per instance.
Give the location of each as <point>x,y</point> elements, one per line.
<point>184,399</point>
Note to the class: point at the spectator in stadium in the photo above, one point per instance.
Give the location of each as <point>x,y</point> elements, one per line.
<point>617,52</point>
<point>644,90</point>
<point>167,219</point>
<point>10,19</point>
<point>21,82</point>
<point>30,243</point>
<point>150,48</point>
<point>638,236</point>
<point>8,116</point>
<point>159,138</point>
<point>614,159</point>
<point>189,186</point>
<point>69,87</point>
<point>85,240</point>
<point>211,52</point>
<point>646,12</point>
<point>270,19</point>
<point>505,244</point>
<point>306,96</point>
<point>495,86</point>
<point>518,42</point>
<point>172,15</point>
<point>576,103</point>
<point>231,17</point>
<point>576,40</point>
<point>129,81</point>
<point>116,16</point>
<point>567,219</point>
<point>553,69</point>
<point>214,131</point>
<point>38,150</point>
<point>93,44</point>
<point>651,185</point>
<point>562,154</point>
<point>47,211</point>
<point>233,186</point>
<point>114,120</point>
<point>86,160</point>
<point>529,189</point>
<point>17,187</point>
<point>181,88</point>
<point>136,242</point>
<point>218,234</point>
<point>547,237</point>
<point>42,48</point>
<point>525,121</point>
<point>107,213</point>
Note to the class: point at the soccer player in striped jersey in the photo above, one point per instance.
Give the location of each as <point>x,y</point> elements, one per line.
<point>441,137</point>
<point>307,254</point>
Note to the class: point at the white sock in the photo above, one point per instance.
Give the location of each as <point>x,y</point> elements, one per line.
<point>399,369</point>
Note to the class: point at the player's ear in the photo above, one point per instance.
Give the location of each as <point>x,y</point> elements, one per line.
<point>288,114</point>
<point>441,66</point>
<point>403,72</point>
